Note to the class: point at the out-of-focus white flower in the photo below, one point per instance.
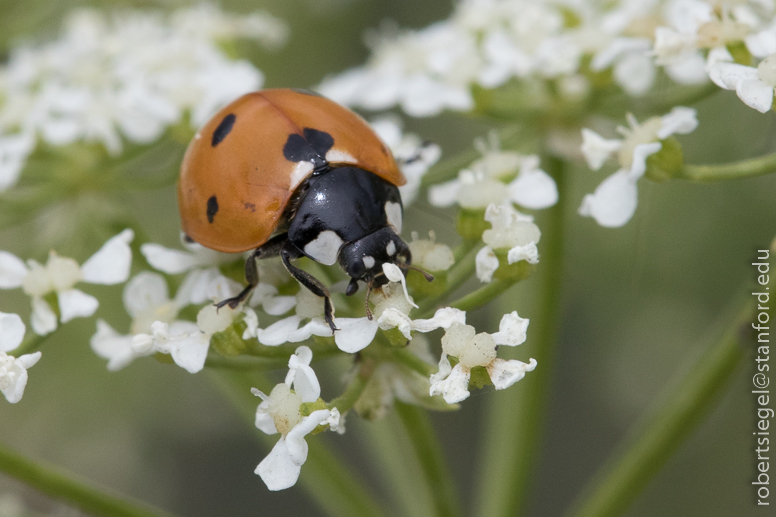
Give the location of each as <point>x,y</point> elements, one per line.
<point>14,149</point>
<point>414,156</point>
<point>110,265</point>
<point>474,350</point>
<point>614,201</point>
<point>128,77</point>
<point>634,69</point>
<point>13,370</point>
<point>510,230</point>
<point>753,85</point>
<point>430,255</point>
<point>280,412</point>
<point>483,183</point>
<point>199,262</point>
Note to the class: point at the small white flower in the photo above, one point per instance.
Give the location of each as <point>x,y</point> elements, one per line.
<point>430,255</point>
<point>479,350</point>
<point>754,86</point>
<point>510,230</point>
<point>614,201</point>
<point>110,265</point>
<point>198,262</point>
<point>633,67</point>
<point>483,183</point>
<point>13,370</point>
<point>290,329</point>
<point>414,156</point>
<point>14,150</point>
<point>280,412</point>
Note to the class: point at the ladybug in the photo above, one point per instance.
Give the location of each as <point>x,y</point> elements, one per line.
<point>289,173</point>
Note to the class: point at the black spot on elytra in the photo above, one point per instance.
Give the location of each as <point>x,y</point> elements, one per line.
<point>212,208</point>
<point>223,129</point>
<point>311,146</point>
<point>250,206</point>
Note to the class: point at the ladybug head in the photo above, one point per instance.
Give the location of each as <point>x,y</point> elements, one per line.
<point>363,259</point>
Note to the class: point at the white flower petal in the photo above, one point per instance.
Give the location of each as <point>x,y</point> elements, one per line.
<point>189,347</point>
<point>12,271</point>
<point>14,377</point>
<point>614,201</point>
<point>302,376</point>
<point>529,253</point>
<point>12,331</point>
<point>145,292</point>
<point>110,345</point>
<point>512,330</point>
<point>444,194</point>
<point>597,149</point>
<point>251,320</point>
<point>315,327</point>
<point>278,305</point>
<point>394,274</point>
<point>454,388</point>
<point>394,318</point>
<point>504,373</point>
<point>756,94</point>
<point>355,334</point>
<point>264,420</point>
<point>277,470</point>
<point>75,303</point>
<point>680,120</point>
<point>168,260</point>
<point>194,289</point>
<point>729,75</point>
<point>534,189</point>
<point>43,318</point>
<point>442,318</point>
<point>635,73</point>
<point>297,447</point>
<point>487,264</point>
<point>640,154</point>
<point>110,265</point>
<point>277,333</point>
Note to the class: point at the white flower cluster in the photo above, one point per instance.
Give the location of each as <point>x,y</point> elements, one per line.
<point>109,266</point>
<point>294,408</point>
<point>126,77</point>
<point>486,43</point>
<point>614,201</point>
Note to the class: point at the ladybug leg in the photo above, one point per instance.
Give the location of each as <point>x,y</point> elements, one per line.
<point>290,252</point>
<point>269,249</point>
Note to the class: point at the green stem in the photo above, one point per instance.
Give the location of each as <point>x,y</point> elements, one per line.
<point>483,295</point>
<point>338,492</point>
<point>412,361</point>
<point>729,171</point>
<point>30,344</point>
<point>516,416</point>
<point>78,493</point>
<point>353,390</point>
<point>651,443</point>
<point>429,453</point>
<point>215,360</point>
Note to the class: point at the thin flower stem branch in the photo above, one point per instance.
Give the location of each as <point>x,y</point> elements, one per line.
<point>412,361</point>
<point>458,274</point>
<point>76,492</point>
<point>429,453</point>
<point>483,295</point>
<point>215,360</point>
<point>652,442</point>
<point>30,344</point>
<point>516,417</point>
<point>729,171</point>
<point>336,490</point>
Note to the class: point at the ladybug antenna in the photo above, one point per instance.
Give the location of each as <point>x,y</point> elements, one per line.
<point>404,265</point>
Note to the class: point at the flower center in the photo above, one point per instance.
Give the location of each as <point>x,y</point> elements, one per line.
<point>637,134</point>
<point>284,408</point>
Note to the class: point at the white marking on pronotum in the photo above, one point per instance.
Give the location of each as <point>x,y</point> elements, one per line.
<point>324,248</point>
<point>300,172</point>
<point>369,262</point>
<point>390,249</point>
<point>393,214</point>
<point>337,156</point>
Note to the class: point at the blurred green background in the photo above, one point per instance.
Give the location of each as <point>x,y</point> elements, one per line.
<point>640,304</point>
